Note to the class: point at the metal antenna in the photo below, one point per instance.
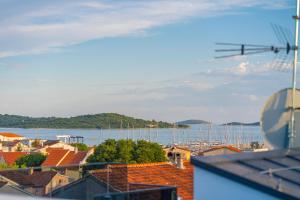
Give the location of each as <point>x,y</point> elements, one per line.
<point>286,47</point>
<point>292,130</point>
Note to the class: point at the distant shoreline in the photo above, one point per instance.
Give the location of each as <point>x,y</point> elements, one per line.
<point>95,121</point>
<point>91,128</point>
<point>241,124</point>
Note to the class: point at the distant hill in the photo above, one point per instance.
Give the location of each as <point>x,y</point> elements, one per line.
<point>242,124</point>
<point>104,121</point>
<point>192,121</point>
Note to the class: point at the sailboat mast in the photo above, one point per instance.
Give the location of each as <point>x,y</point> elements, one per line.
<point>294,82</point>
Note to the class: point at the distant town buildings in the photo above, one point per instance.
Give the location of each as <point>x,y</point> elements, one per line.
<point>6,136</point>
<point>43,145</point>
<point>63,174</point>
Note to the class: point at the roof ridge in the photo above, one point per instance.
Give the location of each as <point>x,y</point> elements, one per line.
<point>139,164</point>
<point>63,158</point>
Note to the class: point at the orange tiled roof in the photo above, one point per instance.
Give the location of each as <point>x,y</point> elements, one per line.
<point>54,156</point>
<point>7,134</point>
<point>11,157</point>
<point>229,147</point>
<point>63,157</point>
<point>73,158</point>
<point>123,177</point>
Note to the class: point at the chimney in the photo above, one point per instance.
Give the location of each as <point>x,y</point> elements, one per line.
<point>31,170</point>
<point>179,161</point>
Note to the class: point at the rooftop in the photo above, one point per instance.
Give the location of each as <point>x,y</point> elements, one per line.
<point>231,148</point>
<point>50,142</point>
<point>22,177</point>
<point>11,157</point>
<point>7,134</point>
<point>275,172</point>
<point>10,143</point>
<point>63,157</point>
<point>126,177</point>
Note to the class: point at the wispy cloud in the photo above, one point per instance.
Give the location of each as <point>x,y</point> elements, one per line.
<point>54,24</point>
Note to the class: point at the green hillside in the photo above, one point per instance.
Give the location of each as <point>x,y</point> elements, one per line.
<point>104,121</point>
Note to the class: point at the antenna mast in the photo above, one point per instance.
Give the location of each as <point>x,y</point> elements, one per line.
<point>292,130</point>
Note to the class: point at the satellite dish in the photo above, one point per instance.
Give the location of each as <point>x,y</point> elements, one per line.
<point>276,116</point>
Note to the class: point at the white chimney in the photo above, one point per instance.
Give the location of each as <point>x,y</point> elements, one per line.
<point>179,161</point>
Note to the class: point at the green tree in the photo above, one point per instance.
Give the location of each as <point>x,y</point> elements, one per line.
<point>6,166</point>
<point>31,160</point>
<point>125,150</point>
<point>128,151</point>
<point>80,146</point>
<point>146,152</point>
<point>105,152</point>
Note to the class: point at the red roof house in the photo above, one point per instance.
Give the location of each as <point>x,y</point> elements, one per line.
<point>64,157</point>
<point>10,157</point>
<point>126,177</point>
<point>35,182</point>
<point>6,136</point>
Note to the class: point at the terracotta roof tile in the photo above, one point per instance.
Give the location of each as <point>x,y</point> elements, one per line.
<point>166,174</point>
<point>73,158</point>
<point>11,157</point>
<point>229,147</point>
<point>7,134</point>
<point>63,157</point>
<point>54,156</point>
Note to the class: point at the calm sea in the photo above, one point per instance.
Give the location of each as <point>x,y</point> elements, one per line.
<point>225,134</point>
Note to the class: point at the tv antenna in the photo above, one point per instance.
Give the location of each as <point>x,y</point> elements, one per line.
<point>285,48</point>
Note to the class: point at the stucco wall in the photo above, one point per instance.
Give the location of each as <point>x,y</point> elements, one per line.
<point>210,186</point>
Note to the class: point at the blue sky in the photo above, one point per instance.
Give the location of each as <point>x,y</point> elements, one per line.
<point>152,59</point>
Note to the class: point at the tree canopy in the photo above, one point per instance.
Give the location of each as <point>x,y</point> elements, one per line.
<point>127,151</point>
<point>80,146</point>
<point>31,160</point>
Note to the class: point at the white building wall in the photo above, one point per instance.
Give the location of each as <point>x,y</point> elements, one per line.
<point>210,186</point>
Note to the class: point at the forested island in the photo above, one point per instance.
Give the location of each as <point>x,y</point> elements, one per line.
<point>97,121</point>
<point>192,121</point>
<point>241,124</point>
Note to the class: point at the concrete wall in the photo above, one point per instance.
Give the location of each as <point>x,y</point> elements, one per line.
<point>57,181</point>
<point>210,186</point>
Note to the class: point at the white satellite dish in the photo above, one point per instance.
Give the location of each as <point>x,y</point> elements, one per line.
<point>276,116</point>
